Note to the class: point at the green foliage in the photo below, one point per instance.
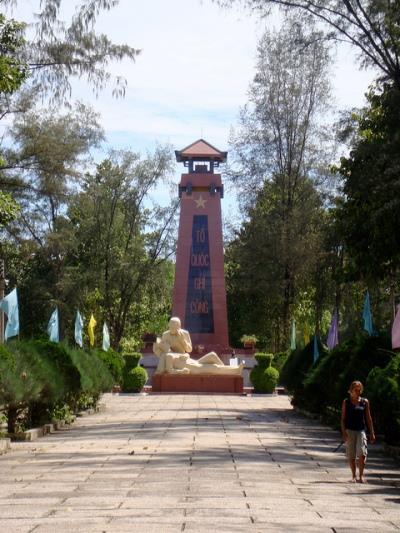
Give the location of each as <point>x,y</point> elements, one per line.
<point>34,377</point>
<point>371,26</point>
<point>74,241</point>
<point>135,379</point>
<point>64,49</point>
<point>129,346</point>
<point>60,357</point>
<point>383,389</point>
<point>108,253</point>
<point>9,209</point>
<point>114,361</point>
<point>279,359</point>
<point>368,215</point>
<point>259,257</point>
<point>30,382</point>
<point>263,376</point>
<point>13,69</point>
<point>131,360</point>
<point>60,411</point>
<point>87,400</point>
<point>325,385</point>
<point>264,379</point>
<point>94,374</point>
<point>297,366</point>
<point>39,377</point>
<point>277,159</point>
<point>134,376</point>
<point>45,165</point>
<point>264,360</point>
<point>248,339</point>
<point>122,245</point>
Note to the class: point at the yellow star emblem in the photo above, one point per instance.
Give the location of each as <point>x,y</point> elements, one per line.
<point>200,202</point>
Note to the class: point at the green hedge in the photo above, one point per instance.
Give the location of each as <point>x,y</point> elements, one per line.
<point>321,387</point>
<point>115,363</point>
<point>328,382</point>
<point>41,377</point>
<point>264,379</point>
<point>383,387</point>
<point>297,366</point>
<point>131,360</point>
<point>135,379</point>
<point>263,376</point>
<point>264,360</point>
<point>279,360</point>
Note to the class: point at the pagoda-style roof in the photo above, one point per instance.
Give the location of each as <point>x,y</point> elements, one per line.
<point>200,150</point>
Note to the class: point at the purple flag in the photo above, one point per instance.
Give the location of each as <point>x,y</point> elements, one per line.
<point>396,330</point>
<point>333,335</point>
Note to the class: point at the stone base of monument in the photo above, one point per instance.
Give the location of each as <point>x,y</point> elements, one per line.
<point>197,383</point>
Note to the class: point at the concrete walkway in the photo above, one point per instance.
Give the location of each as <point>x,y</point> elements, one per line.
<point>193,463</point>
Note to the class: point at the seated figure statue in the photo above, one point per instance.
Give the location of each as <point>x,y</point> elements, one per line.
<point>173,350</point>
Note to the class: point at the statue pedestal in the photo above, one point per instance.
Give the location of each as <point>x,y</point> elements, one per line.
<point>197,383</point>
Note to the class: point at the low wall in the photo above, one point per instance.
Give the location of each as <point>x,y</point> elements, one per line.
<point>197,383</point>
<point>149,361</point>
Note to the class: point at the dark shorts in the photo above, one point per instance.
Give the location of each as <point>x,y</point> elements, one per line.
<point>356,444</point>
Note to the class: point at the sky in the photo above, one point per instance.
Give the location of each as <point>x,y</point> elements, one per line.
<point>192,75</point>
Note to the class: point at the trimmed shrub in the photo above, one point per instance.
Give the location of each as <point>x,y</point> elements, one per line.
<point>132,381</point>
<point>264,360</point>
<point>327,384</point>
<point>131,360</point>
<point>38,378</point>
<point>18,384</point>
<point>58,354</point>
<point>30,386</point>
<point>279,360</point>
<point>115,363</point>
<point>297,366</point>
<point>383,391</point>
<point>60,378</point>
<point>95,377</point>
<point>135,379</point>
<point>264,379</point>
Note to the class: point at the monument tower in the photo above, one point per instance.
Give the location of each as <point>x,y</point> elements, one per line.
<point>199,290</point>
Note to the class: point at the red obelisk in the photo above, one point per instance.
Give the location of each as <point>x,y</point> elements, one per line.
<point>199,290</point>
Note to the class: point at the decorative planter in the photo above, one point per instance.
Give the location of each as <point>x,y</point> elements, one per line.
<point>249,345</point>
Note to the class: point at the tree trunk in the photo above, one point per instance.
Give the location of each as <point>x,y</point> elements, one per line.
<point>12,415</point>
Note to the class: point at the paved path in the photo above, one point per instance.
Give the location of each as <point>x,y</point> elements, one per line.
<point>193,463</point>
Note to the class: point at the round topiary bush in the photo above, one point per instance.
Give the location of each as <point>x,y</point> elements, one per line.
<point>264,379</point>
<point>135,379</point>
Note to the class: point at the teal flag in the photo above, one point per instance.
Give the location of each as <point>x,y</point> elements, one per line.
<point>293,336</point>
<point>78,329</point>
<point>367,317</point>
<point>9,305</point>
<point>315,350</point>
<point>53,326</point>
<point>106,338</point>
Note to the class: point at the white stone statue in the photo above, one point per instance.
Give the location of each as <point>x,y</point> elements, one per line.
<point>173,351</point>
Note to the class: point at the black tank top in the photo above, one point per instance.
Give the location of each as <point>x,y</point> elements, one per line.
<point>355,415</point>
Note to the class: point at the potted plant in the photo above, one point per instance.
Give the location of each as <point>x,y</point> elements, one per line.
<point>249,341</point>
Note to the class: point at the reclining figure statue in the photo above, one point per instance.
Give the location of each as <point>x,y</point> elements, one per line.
<point>173,351</point>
